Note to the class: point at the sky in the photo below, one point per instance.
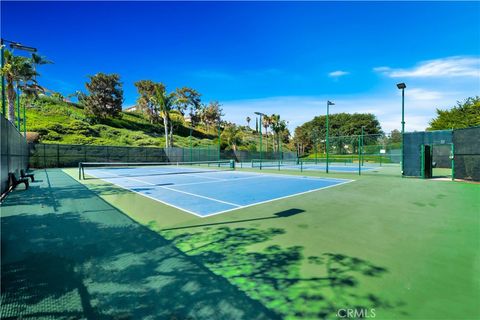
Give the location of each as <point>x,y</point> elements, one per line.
<point>287,58</point>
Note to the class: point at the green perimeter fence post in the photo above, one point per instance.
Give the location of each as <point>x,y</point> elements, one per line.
<point>452,156</point>
<point>327,142</point>
<point>359,158</point>
<point>25,120</point>
<point>362,144</point>
<point>191,150</point>
<point>3,81</point>
<point>219,140</point>
<point>18,108</point>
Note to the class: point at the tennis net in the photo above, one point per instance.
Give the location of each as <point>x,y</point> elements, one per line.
<point>344,160</point>
<point>270,163</point>
<point>92,170</point>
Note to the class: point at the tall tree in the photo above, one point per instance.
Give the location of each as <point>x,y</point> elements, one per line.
<point>187,98</point>
<point>105,96</point>
<point>212,114</point>
<point>17,70</point>
<point>248,121</point>
<point>232,135</point>
<point>395,136</point>
<point>278,126</point>
<point>465,114</point>
<point>146,102</point>
<point>164,103</point>
<point>266,121</point>
<point>38,60</point>
<point>341,124</point>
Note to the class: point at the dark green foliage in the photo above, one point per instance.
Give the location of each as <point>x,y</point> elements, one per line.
<point>463,115</point>
<point>146,90</point>
<point>341,124</point>
<point>105,97</point>
<point>395,136</point>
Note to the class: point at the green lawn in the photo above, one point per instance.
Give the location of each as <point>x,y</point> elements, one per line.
<point>408,248</point>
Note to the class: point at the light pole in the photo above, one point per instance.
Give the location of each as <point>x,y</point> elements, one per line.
<point>260,131</point>
<point>363,128</point>
<point>402,87</point>
<point>191,129</point>
<point>219,145</point>
<point>329,103</point>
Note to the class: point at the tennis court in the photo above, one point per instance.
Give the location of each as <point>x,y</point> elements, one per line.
<point>207,188</point>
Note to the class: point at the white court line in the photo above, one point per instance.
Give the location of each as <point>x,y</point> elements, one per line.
<point>227,180</point>
<point>345,181</point>
<point>150,197</point>
<point>275,199</point>
<point>124,177</point>
<point>200,196</point>
<point>291,176</point>
<point>179,191</point>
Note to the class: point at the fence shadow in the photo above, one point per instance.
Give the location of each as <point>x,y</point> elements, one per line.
<point>88,260</point>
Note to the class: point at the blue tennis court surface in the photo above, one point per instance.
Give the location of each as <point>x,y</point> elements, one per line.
<point>209,192</point>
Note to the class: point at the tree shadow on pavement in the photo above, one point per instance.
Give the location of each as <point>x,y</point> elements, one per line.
<point>273,276</point>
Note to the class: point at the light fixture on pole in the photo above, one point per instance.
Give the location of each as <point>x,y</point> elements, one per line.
<point>402,87</point>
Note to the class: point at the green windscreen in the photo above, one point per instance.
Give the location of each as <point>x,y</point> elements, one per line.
<point>142,169</point>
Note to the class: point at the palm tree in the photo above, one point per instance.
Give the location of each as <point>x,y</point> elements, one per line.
<point>38,60</point>
<point>164,102</point>
<point>248,121</point>
<point>266,123</point>
<point>274,120</point>
<point>233,135</point>
<point>18,71</point>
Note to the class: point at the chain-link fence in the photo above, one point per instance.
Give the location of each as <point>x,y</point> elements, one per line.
<point>64,155</point>
<point>367,153</point>
<point>13,150</point>
<point>467,153</point>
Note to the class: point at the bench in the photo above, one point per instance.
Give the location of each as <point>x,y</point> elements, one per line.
<point>14,182</point>
<point>27,175</point>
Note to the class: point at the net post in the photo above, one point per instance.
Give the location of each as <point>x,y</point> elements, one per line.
<point>232,164</point>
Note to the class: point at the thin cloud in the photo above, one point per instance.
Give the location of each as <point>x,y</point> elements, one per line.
<point>338,73</point>
<point>458,66</point>
<point>423,94</point>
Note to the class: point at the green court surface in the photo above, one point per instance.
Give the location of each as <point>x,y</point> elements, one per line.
<point>406,248</point>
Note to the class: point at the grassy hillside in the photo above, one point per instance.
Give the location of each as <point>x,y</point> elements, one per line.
<point>52,121</point>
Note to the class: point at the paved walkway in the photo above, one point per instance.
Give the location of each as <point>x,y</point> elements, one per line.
<point>67,254</point>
